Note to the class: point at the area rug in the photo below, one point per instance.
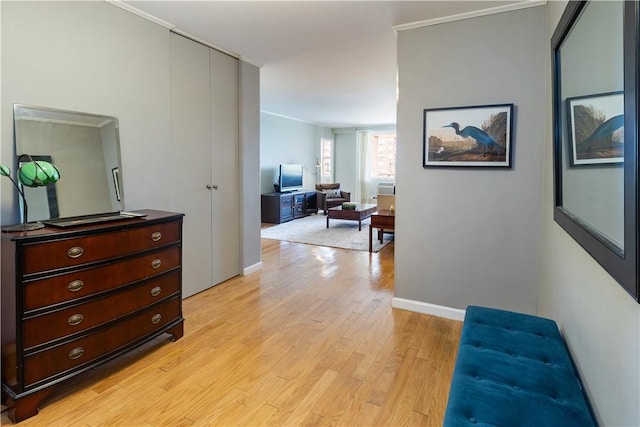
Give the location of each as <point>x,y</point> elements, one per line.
<point>313,230</point>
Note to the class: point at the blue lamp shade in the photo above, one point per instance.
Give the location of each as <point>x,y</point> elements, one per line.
<point>30,174</point>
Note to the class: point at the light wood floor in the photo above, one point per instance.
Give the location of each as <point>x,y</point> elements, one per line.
<point>311,339</point>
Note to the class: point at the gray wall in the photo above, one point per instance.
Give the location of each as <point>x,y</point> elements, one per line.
<point>250,162</point>
<point>98,58</point>
<point>284,140</point>
<point>599,320</point>
<point>471,236</point>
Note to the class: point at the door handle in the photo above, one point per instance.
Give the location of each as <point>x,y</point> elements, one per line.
<point>212,187</point>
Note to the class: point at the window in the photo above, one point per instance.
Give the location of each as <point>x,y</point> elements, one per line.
<point>326,159</point>
<point>382,155</point>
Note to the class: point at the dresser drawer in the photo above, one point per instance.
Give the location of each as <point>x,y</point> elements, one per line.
<point>58,324</point>
<point>77,353</point>
<point>56,254</point>
<point>82,283</point>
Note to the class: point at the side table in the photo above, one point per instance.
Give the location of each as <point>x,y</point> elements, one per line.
<point>383,220</point>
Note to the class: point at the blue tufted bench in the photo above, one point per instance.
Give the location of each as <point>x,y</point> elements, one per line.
<point>513,370</point>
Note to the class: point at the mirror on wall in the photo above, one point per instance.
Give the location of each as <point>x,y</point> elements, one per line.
<point>595,132</point>
<point>85,148</point>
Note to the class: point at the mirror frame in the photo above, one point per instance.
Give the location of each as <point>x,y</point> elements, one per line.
<point>622,265</point>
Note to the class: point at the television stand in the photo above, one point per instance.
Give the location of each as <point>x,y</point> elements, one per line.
<point>282,207</point>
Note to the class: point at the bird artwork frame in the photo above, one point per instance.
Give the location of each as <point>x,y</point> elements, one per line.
<point>471,136</point>
<point>596,129</point>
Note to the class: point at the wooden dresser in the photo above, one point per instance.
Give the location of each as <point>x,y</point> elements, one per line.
<point>78,297</point>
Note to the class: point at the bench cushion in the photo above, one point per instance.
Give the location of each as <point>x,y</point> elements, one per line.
<point>513,369</point>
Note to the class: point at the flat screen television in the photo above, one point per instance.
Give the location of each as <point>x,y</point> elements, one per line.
<point>290,178</point>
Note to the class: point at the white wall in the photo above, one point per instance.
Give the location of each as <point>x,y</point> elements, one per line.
<point>284,140</point>
<point>471,236</point>
<point>599,320</point>
<point>345,166</point>
<point>348,169</point>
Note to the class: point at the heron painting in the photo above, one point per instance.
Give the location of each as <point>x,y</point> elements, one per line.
<point>468,136</point>
<point>596,129</point>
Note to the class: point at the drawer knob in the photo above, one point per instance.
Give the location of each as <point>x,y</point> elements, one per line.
<point>155,236</point>
<point>76,319</point>
<point>75,252</point>
<point>76,353</point>
<point>156,263</point>
<point>156,291</point>
<point>75,286</point>
<point>156,318</point>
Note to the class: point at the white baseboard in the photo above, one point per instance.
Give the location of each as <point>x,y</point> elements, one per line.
<point>426,308</point>
<point>252,268</point>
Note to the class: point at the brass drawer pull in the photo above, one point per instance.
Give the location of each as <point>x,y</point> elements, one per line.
<point>76,319</point>
<point>75,286</point>
<point>76,353</point>
<point>156,291</point>
<point>75,252</point>
<point>156,236</point>
<point>156,318</point>
<point>156,263</point>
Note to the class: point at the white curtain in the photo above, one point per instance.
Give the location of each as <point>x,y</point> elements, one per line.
<point>364,175</point>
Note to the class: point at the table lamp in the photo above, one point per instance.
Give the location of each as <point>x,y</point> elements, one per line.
<point>31,174</point>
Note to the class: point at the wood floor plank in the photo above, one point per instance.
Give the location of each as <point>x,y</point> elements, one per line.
<point>355,406</point>
<point>407,391</point>
<point>303,410</point>
<point>311,339</point>
<point>368,414</point>
<point>396,388</point>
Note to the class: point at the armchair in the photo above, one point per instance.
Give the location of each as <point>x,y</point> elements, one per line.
<point>330,195</point>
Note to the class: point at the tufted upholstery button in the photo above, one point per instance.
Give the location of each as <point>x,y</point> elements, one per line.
<point>473,420</point>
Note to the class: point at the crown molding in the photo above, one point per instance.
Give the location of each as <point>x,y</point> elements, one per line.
<point>176,30</point>
<point>384,128</point>
<point>203,42</point>
<point>140,13</point>
<point>468,15</point>
<point>294,119</point>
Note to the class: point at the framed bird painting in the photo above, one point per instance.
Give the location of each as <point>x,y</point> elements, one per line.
<point>596,129</point>
<point>476,136</point>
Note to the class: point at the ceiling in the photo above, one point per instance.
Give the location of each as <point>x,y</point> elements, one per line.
<point>331,63</point>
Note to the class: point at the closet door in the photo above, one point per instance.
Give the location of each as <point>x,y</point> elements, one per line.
<point>225,166</point>
<point>192,153</point>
